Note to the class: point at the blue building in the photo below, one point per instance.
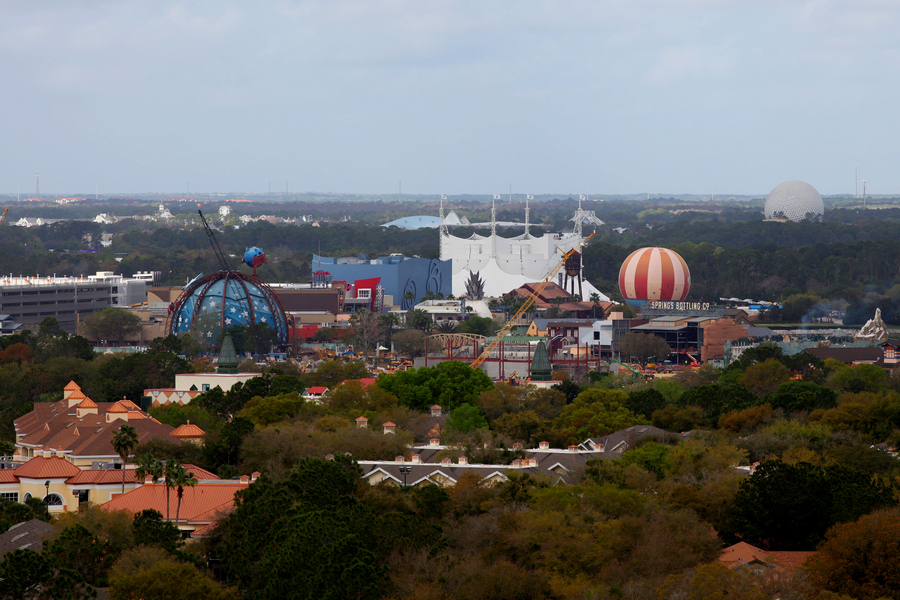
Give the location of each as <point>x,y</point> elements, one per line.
<point>395,275</point>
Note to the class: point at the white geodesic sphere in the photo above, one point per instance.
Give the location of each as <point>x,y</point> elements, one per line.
<point>794,200</point>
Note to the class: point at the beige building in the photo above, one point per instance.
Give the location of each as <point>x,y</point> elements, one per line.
<point>80,430</point>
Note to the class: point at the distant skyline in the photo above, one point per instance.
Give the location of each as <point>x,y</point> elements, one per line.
<point>722,97</point>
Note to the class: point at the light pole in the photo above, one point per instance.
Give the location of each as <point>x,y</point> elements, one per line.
<point>405,471</point>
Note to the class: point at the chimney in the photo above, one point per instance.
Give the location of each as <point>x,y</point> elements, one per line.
<point>434,442</point>
<point>399,459</point>
<point>533,462</point>
<point>463,460</point>
<point>254,476</point>
<point>415,459</point>
<point>518,446</point>
<point>362,422</point>
<point>517,463</point>
<point>48,453</point>
<point>436,410</point>
<point>573,448</point>
<point>389,427</point>
<point>245,479</point>
<point>329,457</point>
<point>446,462</point>
<point>148,479</point>
<point>544,445</point>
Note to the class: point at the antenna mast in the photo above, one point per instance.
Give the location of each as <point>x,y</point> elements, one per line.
<point>37,183</point>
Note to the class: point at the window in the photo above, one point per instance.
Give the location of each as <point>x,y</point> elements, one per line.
<point>205,387</point>
<point>26,497</point>
<point>53,500</point>
<point>12,496</point>
<point>364,293</point>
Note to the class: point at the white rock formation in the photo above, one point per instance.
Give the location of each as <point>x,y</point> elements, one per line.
<point>874,330</point>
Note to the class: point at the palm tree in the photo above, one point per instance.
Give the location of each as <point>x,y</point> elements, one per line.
<point>447,326</point>
<point>124,442</point>
<point>180,479</point>
<point>147,465</point>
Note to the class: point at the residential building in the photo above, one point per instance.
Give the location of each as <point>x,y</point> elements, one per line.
<point>80,430</point>
<point>201,505</point>
<point>64,486</point>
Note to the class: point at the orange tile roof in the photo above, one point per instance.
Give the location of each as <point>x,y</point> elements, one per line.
<point>198,500</point>
<point>87,403</point>
<point>76,395</point>
<point>116,408</point>
<point>8,476</point>
<point>47,468</point>
<point>72,386</point>
<point>743,553</point>
<point>365,382</point>
<point>101,476</point>
<point>201,474</point>
<point>188,431</point>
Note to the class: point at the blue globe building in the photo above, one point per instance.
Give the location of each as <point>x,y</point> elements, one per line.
<point>215,302</point>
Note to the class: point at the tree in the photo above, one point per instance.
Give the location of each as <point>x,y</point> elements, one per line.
<point>265,411</point>
<point>478,326</point>
<point>179,478</point>
<point>595,413</point>
<point>151,530</point>
<point>419,319</point>
<point>147,465</point>
<point>450,384</point>
<point>802,395</point>
<point>28,575</point>
<point>329,545</point>
<point>466,418</point>
<point>365,330</point>
<point>111,324</point>
<point>644,346</point>
<point>765,377</point>
<point>713,581</point>
<point>259,338</point>
<point>860,558</point>
<point>79,550</point>
<point>124,442</point>
<point>387,323</point>
<point>410,342</point>
<point>167,579</point>
<point>785,506</point>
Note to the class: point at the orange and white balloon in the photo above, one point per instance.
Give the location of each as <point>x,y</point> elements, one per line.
<point>654,274</point>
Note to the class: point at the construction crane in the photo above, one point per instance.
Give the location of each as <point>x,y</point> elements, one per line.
<point>223,262</point>
<point>3,217</point>
<point>529,301</point>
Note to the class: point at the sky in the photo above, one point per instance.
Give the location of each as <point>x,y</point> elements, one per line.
<point>437,97</point>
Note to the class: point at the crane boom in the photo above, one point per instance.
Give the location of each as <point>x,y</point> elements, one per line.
<point>215,243</point>
<point>526,305</point>
<point>3,217</point>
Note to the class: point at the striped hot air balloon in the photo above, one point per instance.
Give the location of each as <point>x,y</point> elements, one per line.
<point>654,274</point>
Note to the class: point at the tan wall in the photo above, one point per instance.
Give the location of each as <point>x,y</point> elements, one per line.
<point>715,335</point>
<point>184,381</point>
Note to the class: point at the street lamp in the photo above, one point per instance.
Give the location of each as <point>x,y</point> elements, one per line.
<point>47,495</point>
<point>405,471</point>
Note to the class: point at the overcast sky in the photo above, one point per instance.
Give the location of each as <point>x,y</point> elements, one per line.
<point>595,97</point>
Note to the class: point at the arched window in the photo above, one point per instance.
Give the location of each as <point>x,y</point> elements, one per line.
<point>53,500</point>
<point>27,496</point>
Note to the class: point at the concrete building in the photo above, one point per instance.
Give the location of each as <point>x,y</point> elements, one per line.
<point>29,300</point>
<point>396,275</point>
